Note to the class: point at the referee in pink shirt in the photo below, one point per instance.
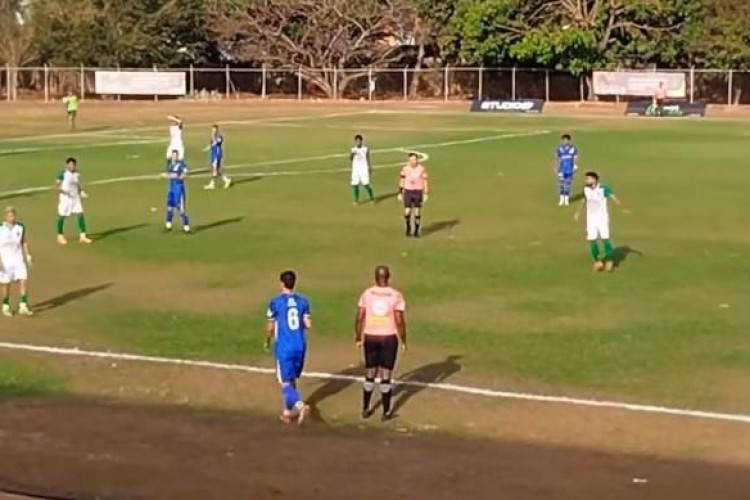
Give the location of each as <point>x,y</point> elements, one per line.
<point>379,326</point>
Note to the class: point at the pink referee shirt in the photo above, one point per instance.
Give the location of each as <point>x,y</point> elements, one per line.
<point>413,178</point>
<point>381,304</point>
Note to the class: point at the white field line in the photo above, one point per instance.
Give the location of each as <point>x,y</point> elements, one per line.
<point>188,124</point>
<point>289,161</point>
<point>474,391</point>
<point>129,142</point>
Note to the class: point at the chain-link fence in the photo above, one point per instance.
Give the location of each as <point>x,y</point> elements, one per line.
<point>447,84</point>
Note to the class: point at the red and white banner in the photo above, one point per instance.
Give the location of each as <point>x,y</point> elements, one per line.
<point>639,83</point>
<point>140,82</point>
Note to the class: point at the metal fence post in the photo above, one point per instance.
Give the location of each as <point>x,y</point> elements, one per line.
<point>83,83</point>
<point>406,83</point>
<point>480,90</point>
<point>299,84</point>
<point>46,83</point>
<point>192,81</point>
<point>263,82</point>
<point>580,87</point>
<point>118,95</point>
<point>730,89</point>
<point>156,97</point>
<point>7,82</point>
<point>546,84</point>
<point>513,84</point>
<point>446,74</point>
<point>227,83</point>
<point>335,83</point>
<point>692,84</point>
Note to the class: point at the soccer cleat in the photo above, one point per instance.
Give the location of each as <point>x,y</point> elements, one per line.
<point>598,266</point>
<point>24,310</point>
<point>210,185</point>
<point>366,414</point>
<point>304,414</point>
<point>186,229</point>
<point>61,240</point>
<point>7,311</point>
<point>388,416</point>
<point>83,239</point>
<point>168,226</point>
<point>227,182</point>
<point>609,266</point>
<point>562,202</point>
<point>285,418</point>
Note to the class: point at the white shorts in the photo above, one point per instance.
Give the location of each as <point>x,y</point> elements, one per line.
<point>13,271</point>
<point>597,229</point>
<point>180,151</point>
<point>69,205</point>
<point>360,175</point>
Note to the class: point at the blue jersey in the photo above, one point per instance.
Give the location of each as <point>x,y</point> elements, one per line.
<point>177,168</point>
<point>566,158</point>
<point>217,147</point>
<point>288,311</point>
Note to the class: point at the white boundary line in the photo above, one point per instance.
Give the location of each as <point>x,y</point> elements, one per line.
<point>131,142</point>
<point>474,391</point>
<point>398,149</point>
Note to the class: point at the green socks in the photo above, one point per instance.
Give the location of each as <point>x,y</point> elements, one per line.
<point>25,299</point>
<point>81,224</point>
<point>60,224</point>
<point>355,193</point>
<point>608,250</point>
<point>6,301</point>
<point>594,248</point>
<point>370,193</point>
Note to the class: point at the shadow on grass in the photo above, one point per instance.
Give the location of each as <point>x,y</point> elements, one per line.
<point>576,197</point>
<point>332,387</point>
<point>438,226</point>
<point>433,373</point>
<point>620,255</point>
<point>69,297</point>
<point>15,196</point>
<point>385,197</point>
<point>246,180</point>
<point>216,224</point>
<point>117,230</point>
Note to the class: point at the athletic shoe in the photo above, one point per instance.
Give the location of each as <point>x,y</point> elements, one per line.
<point>598,266</point>
<point>366,414</point>
<point>84,240</point>
<point>285,418</point>
<point>168,226</point>
<point>7,311</point>
<point>304,413</point>
<point>186,229</point>
<point>210,185</point>
<point>24,310</point>
<point>227,182</point>
<point>61,240</point>
<point>609,266</point>
<point>387,417</point>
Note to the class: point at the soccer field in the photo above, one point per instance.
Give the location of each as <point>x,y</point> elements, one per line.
<point>500,290</point>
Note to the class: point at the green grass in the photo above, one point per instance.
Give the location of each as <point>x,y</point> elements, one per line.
<point>18,379</point>
<point>504,280</point>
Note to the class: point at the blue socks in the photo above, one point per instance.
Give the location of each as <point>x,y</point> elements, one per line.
<point>290,395</point>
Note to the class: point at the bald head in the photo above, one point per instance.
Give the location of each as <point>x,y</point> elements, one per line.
<point>382,275</point>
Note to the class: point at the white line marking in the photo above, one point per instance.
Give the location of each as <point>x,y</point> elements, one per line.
<point>80,146</point>
<point>289,161</point>
<point>474,391</point>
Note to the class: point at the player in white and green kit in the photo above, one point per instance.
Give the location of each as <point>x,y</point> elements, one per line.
<point>70,202</point>
<point>14,262</point>
<point>595,198</point>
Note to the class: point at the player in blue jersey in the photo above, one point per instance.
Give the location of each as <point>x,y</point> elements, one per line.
<point>176,196</point>
<point>288,320</point>
<point>566,163</point>
<point>216,149</point>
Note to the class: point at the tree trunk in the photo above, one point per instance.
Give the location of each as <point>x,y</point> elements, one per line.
<point>417,75</point>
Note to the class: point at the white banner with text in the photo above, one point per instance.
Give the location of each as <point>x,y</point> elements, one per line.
<point>639,83</point>
<point>140,83</point>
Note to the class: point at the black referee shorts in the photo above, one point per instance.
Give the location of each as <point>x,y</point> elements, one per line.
<point>413,198</point>
<point>381,351</point>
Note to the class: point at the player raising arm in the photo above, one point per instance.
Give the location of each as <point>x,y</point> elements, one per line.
<point>177,194</point>
<point>71,196</point>
<point>14,258</point>
<point>413,192</point>
<point>216,152</point>
<point>595,197</point>
<point>379,325</point>
<point>359,156</point>
<point>175,138</point>
<point>288,321</point>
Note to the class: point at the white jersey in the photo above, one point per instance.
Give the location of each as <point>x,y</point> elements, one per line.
<point>175,134</point>
<point>596,202</point>
<point>359,156</point>
<point>12,239</point>
<point>70,183</point>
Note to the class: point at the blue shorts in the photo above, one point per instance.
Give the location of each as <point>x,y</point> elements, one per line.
<point>176,198</point>
<point>216,162</point>
<point>289,367</point>
<point>565,176</point>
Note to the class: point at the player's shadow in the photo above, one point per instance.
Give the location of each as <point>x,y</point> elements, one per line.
<point>14,196</point>
<point>332,387</point>
<point>117,230</point>
<point>576,197</point>
<point>69,297</point>
<point>216,224</point>
<point>621,254</point>
<point>246,180</point>
<point>385,197</point>
<point>443,225</point>
<point>412,383</point>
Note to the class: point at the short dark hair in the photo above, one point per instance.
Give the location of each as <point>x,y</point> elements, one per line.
<point>566,137</point>
<point>593,174</point>
<point>216,126</point>
<point>71,160</point>
<point>358,137</point>
<point>382,274</point>
<point>413,155</point>
<point>289,279</point>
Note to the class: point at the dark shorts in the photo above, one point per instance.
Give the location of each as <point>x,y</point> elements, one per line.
<point>413,199</point>
<point>72,113</point>
<point>381,352</point>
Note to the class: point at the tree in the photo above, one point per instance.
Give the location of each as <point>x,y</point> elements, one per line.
<point>315,36</point>
<point>17,37</point>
